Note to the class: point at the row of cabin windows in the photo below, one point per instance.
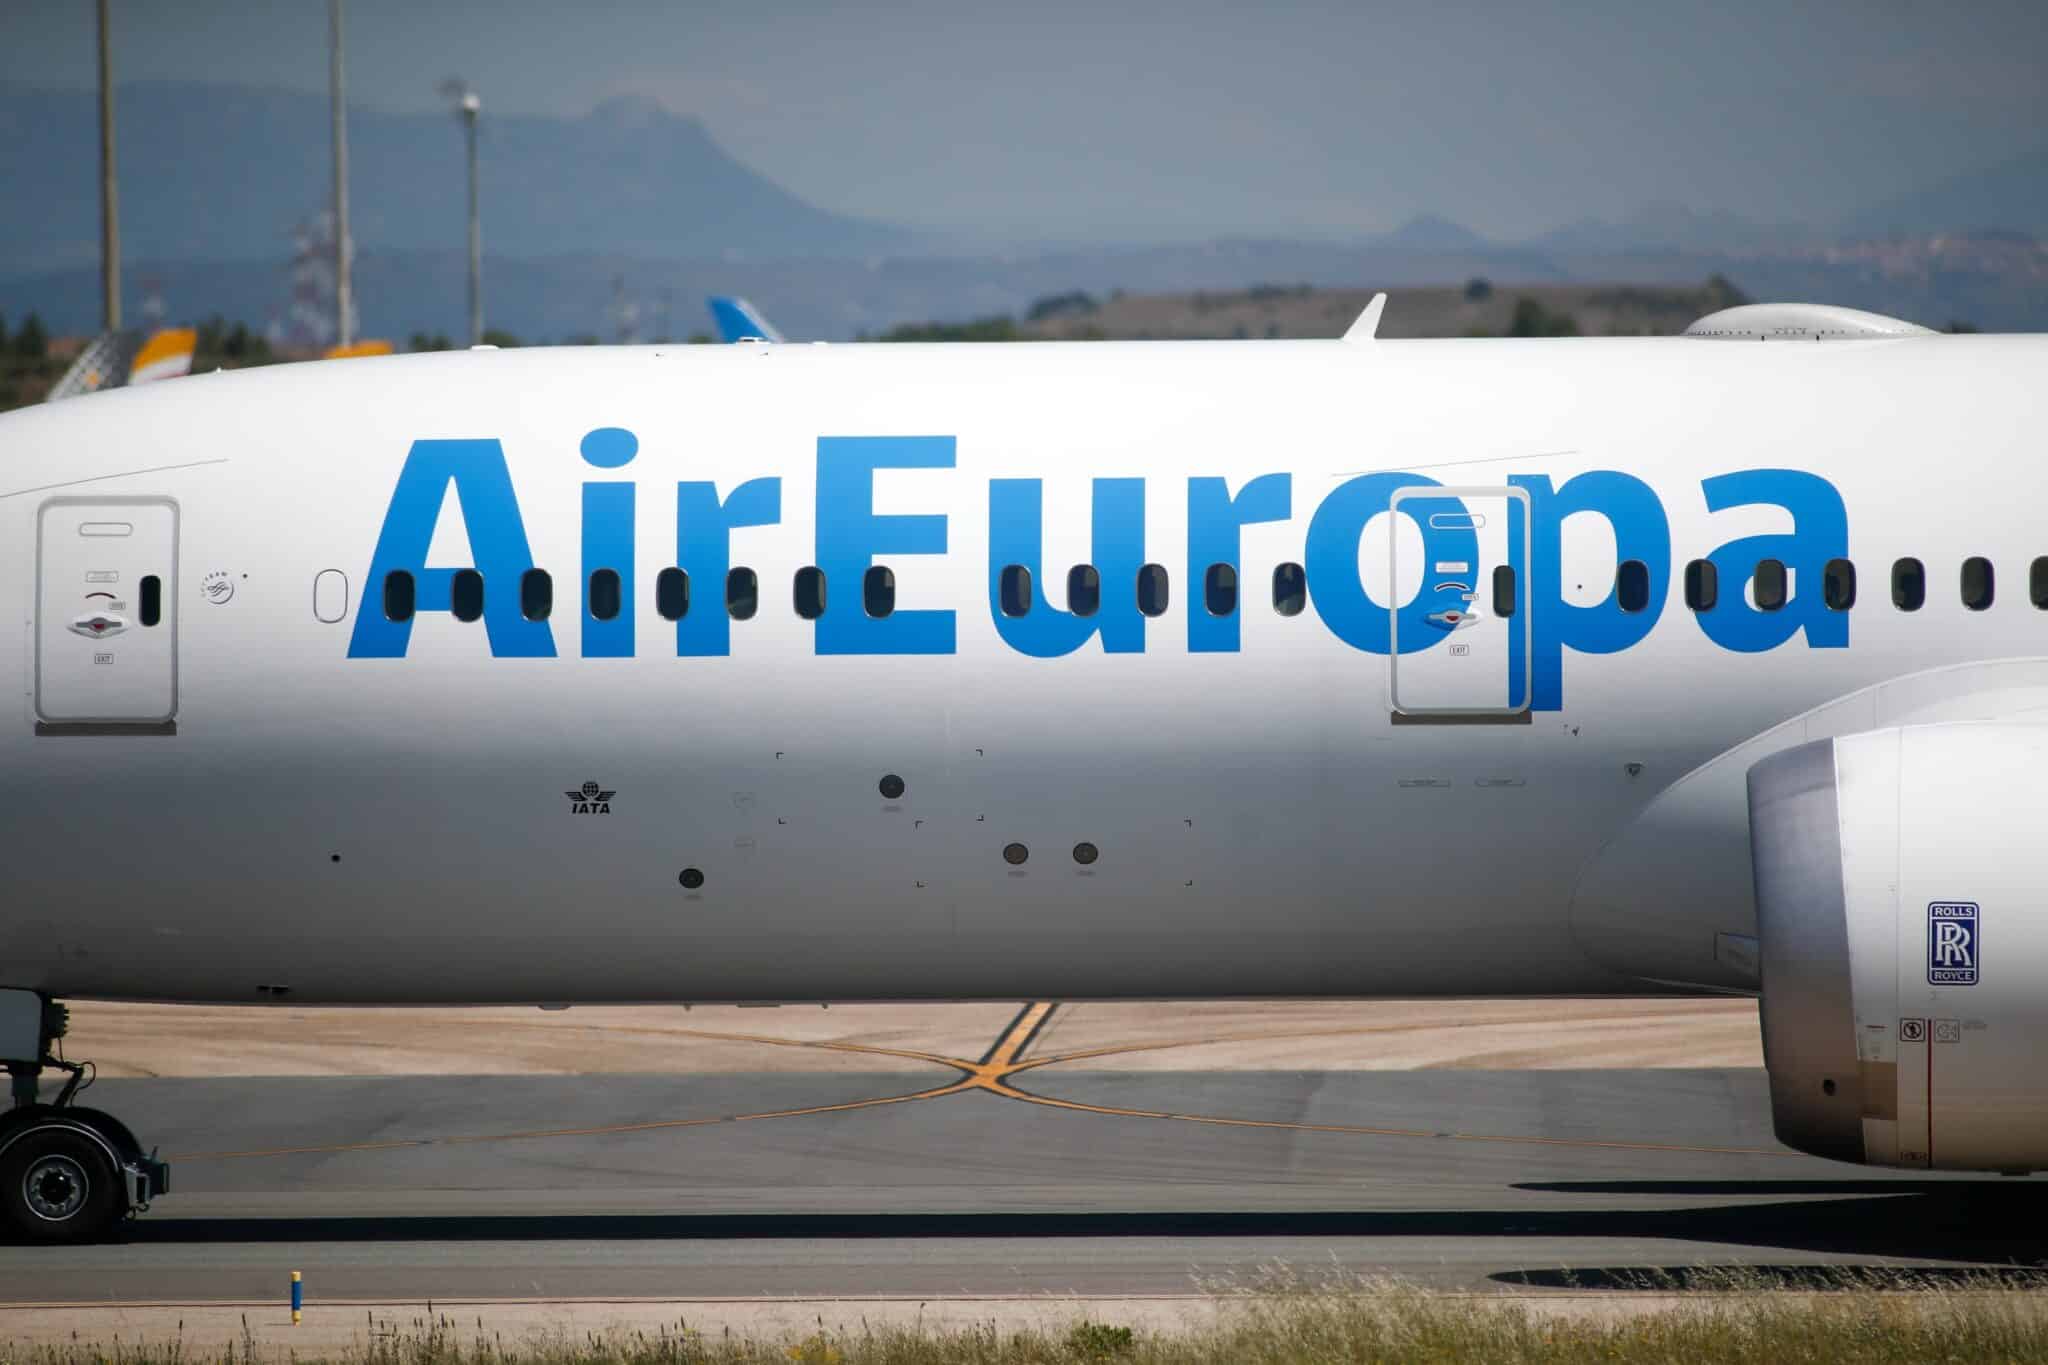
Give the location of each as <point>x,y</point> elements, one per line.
<point>537,594</point>
<point>1014,596</point>
<point>878,592</point>
<point>1770,589</point>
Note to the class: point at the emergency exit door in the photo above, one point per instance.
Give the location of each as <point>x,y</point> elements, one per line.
<point>1459,602</point>
<point>107,611</point>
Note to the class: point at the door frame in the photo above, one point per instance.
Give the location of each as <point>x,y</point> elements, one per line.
<point>166,724</point>
<point>1511,712</point>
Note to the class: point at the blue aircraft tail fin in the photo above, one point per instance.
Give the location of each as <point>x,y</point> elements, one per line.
<point>739,320</point>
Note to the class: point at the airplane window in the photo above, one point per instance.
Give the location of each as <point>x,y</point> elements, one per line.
<point>809,591</point>
<point>1770,584</point>
<point>1838,584</point>
<point>1977,583</point>
<point>536,594</point>
<point>1013,589</point>
<point>742,594</point>
<point>1290,589</point>
<point>1084,590</point>
<point>878,590</point>
<point>398,594</point>
<point>2037,583</point>
<point>1632,584</point>
<point>149,608</point>
<point>1909,584</point>
<point>1152,592</point>
<point>1503,590</point>
<point>466,595</point>
<point>1219,589</point>
<point>604,594</point>
<point>672,593</point>
<point>1702,585</point>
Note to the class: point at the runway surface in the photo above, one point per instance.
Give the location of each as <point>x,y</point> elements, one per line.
<point>1003,1173</point>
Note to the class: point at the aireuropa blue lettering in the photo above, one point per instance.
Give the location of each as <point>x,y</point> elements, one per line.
<point>851,535</point>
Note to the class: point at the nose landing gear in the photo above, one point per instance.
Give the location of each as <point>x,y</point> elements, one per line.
<point>67,1173</point>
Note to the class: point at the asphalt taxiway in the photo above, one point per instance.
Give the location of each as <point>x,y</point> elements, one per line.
<point>1019,1170</point>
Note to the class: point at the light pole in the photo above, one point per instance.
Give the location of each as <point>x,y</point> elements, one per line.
<point>344,249</point>
<point>467,106</point>
<point>110,203</point>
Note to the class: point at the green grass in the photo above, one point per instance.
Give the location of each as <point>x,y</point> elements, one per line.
<point>1284,1322</point>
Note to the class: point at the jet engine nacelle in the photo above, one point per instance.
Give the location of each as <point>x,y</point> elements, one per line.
<point>1902,924</point>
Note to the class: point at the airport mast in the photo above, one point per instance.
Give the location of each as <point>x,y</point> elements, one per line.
<point>110,217</point>
<point>344,246</point>
<point>467,105</point>
<point>476,249</point>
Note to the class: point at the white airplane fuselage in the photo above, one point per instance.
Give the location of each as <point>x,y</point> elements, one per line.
<point>341,811</point>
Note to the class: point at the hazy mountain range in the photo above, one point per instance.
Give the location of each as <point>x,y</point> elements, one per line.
<point>215,178</point>
<point>223,173</point>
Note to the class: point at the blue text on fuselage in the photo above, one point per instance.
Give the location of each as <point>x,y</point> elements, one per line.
<point>851,535</point>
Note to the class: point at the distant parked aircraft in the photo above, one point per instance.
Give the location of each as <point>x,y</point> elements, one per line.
<point>360,348</point>
<point>114,359</point>
<point>739,320</point>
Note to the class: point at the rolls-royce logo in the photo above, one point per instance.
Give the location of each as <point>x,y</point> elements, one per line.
<point>590,799</point>
<point>1952,943</point>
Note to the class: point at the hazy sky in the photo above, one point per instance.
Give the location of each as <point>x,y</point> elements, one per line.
<point>1052,118</point>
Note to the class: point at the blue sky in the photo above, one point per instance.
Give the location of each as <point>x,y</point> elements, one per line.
<point>1091,122</point>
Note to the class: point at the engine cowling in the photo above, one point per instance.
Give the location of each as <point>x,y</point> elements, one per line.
<point>1902,925</point>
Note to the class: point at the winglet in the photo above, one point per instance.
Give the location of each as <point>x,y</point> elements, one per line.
<point>1368,324</point>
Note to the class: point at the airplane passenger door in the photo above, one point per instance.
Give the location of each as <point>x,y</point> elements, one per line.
<point>1459,603</point>
<point>107,611</point>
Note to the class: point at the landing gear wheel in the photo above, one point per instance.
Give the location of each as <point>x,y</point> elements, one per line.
<point>56,1185</point>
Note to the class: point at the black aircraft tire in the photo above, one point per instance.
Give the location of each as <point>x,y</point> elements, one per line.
<point>56,1185</point>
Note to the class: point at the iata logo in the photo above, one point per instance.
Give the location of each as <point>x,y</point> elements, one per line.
<point>590,799</point>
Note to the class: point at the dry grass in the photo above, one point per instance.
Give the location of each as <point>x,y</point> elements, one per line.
<point>1286,1321</point>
